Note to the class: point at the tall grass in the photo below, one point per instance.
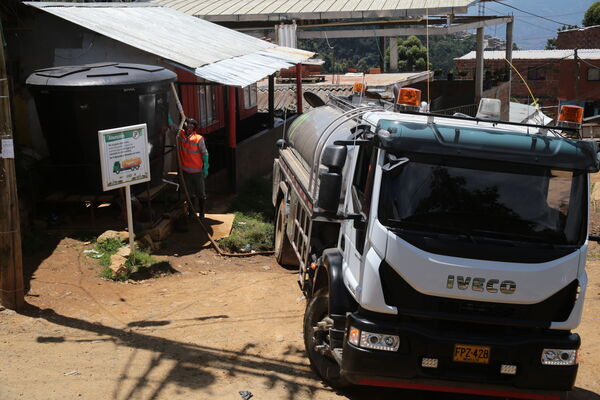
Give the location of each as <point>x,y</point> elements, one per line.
<point>253,224</point>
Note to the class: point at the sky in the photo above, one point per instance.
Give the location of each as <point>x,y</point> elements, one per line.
<point>531,32</point>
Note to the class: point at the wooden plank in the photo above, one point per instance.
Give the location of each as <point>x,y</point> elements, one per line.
<point>11,262</point>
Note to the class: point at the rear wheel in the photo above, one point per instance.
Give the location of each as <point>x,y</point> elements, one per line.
<point>284,252</point>
<point>316,340</point>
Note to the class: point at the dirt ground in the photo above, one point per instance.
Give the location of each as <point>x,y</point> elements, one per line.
<point>216,327</point>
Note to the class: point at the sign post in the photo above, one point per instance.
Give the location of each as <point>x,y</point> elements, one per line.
<point>124,161</point>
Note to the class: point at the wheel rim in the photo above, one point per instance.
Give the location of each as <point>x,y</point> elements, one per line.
<point>279,229</point>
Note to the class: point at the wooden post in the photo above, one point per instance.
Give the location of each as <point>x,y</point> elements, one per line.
<point>232,130</point>
<point>577,74</point>
<point>11,262</point>
<point>479,67</point>
<point>272,101</point>
<point>299,88</point>
<point>231,114</point>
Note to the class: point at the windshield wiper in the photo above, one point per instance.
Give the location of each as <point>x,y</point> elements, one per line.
<point>436,229</point>
<point>521,238</point>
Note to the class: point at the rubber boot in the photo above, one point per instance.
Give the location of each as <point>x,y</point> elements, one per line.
<point>201,208</point>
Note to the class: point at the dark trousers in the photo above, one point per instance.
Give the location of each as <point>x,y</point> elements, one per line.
<point>195,186</point>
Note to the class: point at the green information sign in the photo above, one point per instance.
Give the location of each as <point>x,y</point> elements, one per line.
<point>124,156</point>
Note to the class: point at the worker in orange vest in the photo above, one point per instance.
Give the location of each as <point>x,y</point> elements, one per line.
<point>194,163</point>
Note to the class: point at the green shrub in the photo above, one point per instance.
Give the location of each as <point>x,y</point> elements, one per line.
<point>249,233</point>
<point>253,224</point>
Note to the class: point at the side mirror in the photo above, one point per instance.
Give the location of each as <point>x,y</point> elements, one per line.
<point>334,157</point>
<point>330,181</point>
<point>594,238</point>
<point>330,187</point>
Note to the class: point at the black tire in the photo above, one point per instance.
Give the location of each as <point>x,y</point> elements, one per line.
<point>284,252</point>
<point>324,365</point>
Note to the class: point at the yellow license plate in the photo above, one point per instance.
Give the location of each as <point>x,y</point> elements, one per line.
<point>471,354</point>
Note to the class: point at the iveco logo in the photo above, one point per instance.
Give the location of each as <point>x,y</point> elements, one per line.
<point>480,284</point>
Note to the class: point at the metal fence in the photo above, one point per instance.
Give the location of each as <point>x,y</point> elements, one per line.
<point>469,109</point>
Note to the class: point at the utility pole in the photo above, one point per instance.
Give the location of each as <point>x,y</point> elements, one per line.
<point>577,73</point>
<point>11,262</point>
<point>479,62</point>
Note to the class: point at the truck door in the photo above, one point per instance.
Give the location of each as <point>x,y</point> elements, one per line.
<point>353,235</point>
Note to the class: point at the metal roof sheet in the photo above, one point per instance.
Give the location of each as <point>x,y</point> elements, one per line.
<point>339,85</point>
<point>238,10</point>
<point>213,52</point>
<point>587,54</point>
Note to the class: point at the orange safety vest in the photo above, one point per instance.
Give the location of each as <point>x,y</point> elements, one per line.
<point>190,155</point>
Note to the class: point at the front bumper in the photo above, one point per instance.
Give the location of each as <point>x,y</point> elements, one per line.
<point>403,368</point>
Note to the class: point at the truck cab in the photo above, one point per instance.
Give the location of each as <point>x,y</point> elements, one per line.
<point>453,256</point>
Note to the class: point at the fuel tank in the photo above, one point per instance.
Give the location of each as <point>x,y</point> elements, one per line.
<point>317,128</point>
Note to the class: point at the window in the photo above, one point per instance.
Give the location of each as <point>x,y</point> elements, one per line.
<point>361,191</point>
<point>250,96</point>
<point>536,74</point>
<point>594,74</point>
<point>207,104</point>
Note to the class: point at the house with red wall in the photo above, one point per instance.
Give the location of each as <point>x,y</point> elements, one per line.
<point>552,77</point>
<point>579,38</point>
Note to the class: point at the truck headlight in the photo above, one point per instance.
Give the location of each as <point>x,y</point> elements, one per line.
<point>559,357</point>
<point>375,341</point>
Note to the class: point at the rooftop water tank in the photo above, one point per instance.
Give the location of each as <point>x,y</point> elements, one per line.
<point>75,102</point>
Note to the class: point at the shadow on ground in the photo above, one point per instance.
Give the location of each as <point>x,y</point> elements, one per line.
<point>192,364</point>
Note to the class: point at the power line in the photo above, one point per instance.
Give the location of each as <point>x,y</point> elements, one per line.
<point>530,13</point>
<point>589,64</point>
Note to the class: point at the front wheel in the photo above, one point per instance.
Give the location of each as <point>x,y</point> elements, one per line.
<point>316,340</point>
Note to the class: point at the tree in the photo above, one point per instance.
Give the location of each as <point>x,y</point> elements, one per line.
<point>411,55</point>
<point>592,15</point>
<point>551,44</point>
<point>444,49</point>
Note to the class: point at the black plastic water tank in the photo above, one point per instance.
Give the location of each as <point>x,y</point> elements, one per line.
<point>75,102</point>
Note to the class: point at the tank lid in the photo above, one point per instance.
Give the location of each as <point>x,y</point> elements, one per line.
<point>100,74</point>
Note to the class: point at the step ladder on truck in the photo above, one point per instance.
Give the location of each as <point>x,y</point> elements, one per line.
<point>442,253</point>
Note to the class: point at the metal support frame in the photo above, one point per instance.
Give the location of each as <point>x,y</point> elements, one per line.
<point>508,56</point>
<point>393,54</point>
<point>382,53</point>
<point>403,31</point>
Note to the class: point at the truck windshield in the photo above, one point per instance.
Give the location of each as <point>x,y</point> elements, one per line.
<point>486,203</point>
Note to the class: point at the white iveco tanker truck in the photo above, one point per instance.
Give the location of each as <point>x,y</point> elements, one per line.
<point>435,252</point>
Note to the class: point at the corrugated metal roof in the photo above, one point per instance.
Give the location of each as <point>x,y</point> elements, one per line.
<point>213,52</point>
<point>285,95</point>
<point>587,54</point>
<point>276,10</point>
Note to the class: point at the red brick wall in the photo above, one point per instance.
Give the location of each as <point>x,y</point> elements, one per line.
<point>545,90</point>
<point>588,38</point>
<point>588,90</point>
